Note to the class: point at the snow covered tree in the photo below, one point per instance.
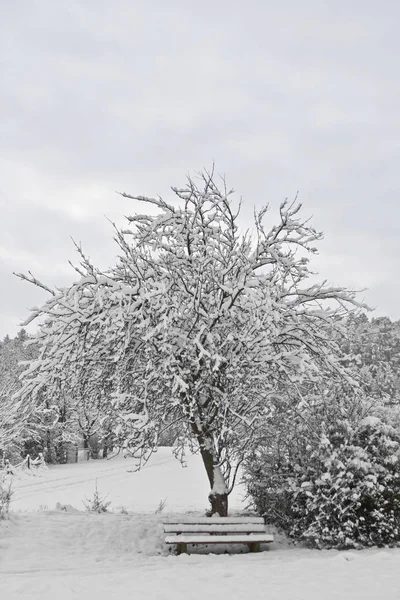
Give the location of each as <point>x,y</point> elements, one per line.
<point>93,412</point>
<point>64,418</point>
<point>10,430</point>
<point>373,348</point>
<point>197,325</point>
<point>13,353</point>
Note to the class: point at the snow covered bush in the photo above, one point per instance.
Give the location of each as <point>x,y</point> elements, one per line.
<point>342,491</point>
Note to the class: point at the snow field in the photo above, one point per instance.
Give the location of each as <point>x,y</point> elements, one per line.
<point>62,555</point>
<point>185,489</point>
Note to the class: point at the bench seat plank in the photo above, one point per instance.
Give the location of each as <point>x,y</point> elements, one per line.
<point>212,520</point>
<point>220,539</point>
<point>215,528</point>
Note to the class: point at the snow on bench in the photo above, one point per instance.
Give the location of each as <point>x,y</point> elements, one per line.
<point>217,530</point>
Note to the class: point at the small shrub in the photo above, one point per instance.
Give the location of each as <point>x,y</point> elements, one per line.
<point>161,505</point>
<point>97,503</point>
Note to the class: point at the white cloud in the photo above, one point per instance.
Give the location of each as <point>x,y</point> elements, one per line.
<point>129,96</point>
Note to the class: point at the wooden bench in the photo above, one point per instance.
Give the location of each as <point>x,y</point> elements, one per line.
<point>217,530</point>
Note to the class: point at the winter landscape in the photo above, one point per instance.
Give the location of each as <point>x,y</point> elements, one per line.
<point>199,314</point>
<point>68,553</point>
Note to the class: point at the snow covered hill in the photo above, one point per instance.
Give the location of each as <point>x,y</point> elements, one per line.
<point>65,554</point>
<point>185,489</point>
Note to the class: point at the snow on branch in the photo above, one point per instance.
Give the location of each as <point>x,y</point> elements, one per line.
<point>195,324</point>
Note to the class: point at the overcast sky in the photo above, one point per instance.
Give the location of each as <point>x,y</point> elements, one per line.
<point>129,95</point>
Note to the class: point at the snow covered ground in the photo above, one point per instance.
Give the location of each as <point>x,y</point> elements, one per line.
<point>163,477</point>
<point>47,553</point>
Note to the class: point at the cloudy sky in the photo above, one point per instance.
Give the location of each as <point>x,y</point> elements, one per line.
<point>129,95</point>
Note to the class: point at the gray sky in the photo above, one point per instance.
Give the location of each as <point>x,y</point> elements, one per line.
<point>100,96</point>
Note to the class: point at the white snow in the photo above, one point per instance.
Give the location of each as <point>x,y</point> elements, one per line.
<point>228,528</point>
<point>219,539</point>
<point>185,489</point>
<point>219,486</point>
<point>62,555</point>
<point>179,519</point>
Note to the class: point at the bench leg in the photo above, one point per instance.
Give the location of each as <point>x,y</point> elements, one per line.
<point>254,547</point>
<point>182,547</point>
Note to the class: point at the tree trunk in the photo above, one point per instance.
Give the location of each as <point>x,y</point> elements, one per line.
<point>48,446</point>
<point>106,444</point>
<point>218,496</point>
<point>219,504</point>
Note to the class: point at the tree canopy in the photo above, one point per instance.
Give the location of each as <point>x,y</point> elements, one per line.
<point>198,326</point>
